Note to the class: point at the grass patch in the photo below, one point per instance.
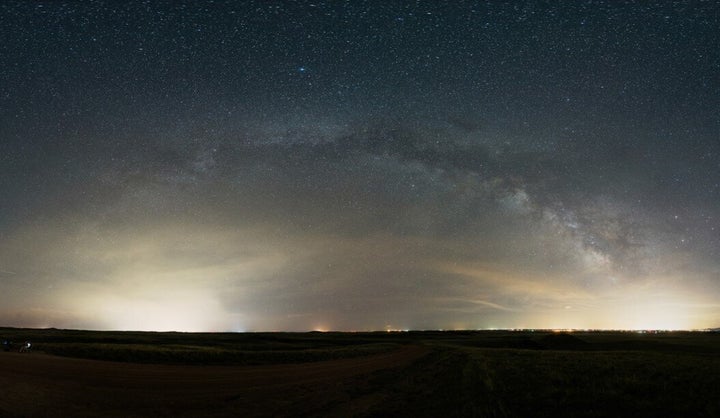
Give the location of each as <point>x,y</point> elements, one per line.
<point>205,355</point>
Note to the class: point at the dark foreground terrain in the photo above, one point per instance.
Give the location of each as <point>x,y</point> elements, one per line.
<point>410,374</point>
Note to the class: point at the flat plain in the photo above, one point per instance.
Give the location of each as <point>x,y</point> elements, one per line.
<point>406,374</point>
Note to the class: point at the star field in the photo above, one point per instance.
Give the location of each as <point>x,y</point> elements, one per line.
<point>359,165</point>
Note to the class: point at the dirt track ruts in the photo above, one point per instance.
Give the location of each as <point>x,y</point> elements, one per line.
<point>41,385</point>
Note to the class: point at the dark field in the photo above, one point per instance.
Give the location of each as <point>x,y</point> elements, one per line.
<point>410,374</point>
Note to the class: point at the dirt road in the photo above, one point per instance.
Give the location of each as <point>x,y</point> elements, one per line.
<point>36,385</point>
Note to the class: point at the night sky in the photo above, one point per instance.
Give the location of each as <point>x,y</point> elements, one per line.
<point>248,166</point>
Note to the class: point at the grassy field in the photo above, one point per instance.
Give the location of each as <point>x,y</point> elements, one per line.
<point>464,373</point>
<point>199,348</point>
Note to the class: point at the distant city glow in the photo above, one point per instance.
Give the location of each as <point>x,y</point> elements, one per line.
<point>174,311</point>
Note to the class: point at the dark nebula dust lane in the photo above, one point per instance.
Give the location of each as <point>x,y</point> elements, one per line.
<point>213,166</point>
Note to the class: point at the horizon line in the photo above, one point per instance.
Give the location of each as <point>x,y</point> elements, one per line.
<point>710,329</point>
